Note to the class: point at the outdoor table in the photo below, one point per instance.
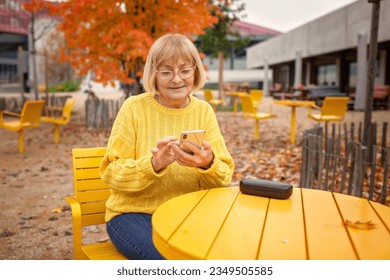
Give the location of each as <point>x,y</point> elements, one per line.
<point>293,104</point>
<point>235,95</point>
<point>223,223</point>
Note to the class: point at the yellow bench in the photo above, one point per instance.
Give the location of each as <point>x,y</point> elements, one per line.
<point>256,95</point>
<point>333,109</point>
<point>88,204</point>
<point>249,110</point>
<point>28,118</point>
<point>208,96</point>
<point>66,113</point>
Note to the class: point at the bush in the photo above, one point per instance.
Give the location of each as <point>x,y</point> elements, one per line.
<point>66,86</point>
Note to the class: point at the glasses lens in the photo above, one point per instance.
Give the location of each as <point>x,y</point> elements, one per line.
<point>186,73</point>
<point>183,73</point>
<point>165,74</point>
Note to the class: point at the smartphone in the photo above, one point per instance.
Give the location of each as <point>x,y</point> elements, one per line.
<point>195,137</point>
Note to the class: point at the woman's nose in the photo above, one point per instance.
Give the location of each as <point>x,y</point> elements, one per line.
<point>176,78</point>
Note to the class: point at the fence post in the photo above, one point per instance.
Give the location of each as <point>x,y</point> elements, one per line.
<point>373,171</point>
<point>384,140</point>
<point>385,176</point>
<point>352,169</point>
<point>302,181</point>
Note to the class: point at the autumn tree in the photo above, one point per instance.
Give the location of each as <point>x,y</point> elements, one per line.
<point>221,37</point>
<point>112,38</point>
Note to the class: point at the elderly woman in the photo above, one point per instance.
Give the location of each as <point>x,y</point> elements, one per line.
<point>144,165</point>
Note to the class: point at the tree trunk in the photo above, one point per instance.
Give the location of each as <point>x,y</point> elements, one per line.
<point>46,79</point>
<point>21,68</point>
<point>220,75</point>
<point>371,69</point>
<point>33,53</point>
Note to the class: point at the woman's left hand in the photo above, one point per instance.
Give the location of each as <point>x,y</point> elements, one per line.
<point>202,158</point>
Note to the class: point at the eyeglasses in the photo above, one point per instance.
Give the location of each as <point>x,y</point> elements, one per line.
<point>184,73</point>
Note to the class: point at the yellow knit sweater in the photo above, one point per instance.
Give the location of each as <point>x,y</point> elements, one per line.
<point>127,167</point>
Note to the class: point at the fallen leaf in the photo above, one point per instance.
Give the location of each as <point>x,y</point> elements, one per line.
<point>57,210</point>
<point>360,225</point>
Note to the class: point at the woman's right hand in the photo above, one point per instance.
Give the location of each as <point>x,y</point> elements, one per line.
<point>162,154</point>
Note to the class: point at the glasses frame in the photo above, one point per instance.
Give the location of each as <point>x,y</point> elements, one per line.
<point>174,73</point>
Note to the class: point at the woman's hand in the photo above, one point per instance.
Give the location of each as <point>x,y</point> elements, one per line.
<point>202,158</point>
<point>162,154</point>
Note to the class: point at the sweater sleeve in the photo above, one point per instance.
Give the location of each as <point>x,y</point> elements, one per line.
<point>220,173</point>
<point>119,168</point>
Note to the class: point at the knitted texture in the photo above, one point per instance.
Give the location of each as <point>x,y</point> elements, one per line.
<point>127,165</point>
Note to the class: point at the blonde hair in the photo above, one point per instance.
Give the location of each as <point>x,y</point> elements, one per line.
<point>172,47</point>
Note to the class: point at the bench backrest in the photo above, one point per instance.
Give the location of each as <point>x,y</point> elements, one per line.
<point>31,112</point>
<point>256,94</point>
<point>335,106</point>
<point>67,110</point>
<point>90,191</point>
<point>248,106</point>
<point>208,95</point>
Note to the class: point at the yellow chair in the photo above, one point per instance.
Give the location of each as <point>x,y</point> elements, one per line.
<point>333,109</point>
<point>30,117</point>
<point>88,205</point>
<point>256,95</point>
<point>249,110</point>
<point>66,113</point>
<point>208,96</point>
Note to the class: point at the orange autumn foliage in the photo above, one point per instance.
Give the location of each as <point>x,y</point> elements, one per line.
<point>112,38</point>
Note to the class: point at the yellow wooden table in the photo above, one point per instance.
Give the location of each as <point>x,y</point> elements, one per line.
<point>223,223</point>
<point>236,96</point>
<point>293,104</point>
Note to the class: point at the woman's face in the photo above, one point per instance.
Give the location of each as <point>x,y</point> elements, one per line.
<point>173,91</point>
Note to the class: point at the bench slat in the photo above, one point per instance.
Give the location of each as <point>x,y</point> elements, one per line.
<point>87,162</point>
<point>102,251</point>
<point>93,219</point>
<point>95,195</point>
<point>94,207</point>
<point>90,173</point>
<point>94,184</point>
<point>88,152</point>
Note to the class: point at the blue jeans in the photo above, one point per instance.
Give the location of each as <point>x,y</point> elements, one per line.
<point>131,233</point>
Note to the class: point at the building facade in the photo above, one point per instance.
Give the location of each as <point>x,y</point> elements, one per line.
<point>14,21</point>
<point>332,49</point>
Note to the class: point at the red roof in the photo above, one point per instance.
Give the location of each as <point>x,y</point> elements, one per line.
<point>246,28</point>
<point>14,21</point>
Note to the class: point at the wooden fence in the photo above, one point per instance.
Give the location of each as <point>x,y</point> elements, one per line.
<point>101,113</point>
<point>337,161</point>
<point>15,104</point>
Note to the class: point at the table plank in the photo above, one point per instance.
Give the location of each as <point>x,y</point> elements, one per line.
<point>198,231</point>
<point>167,219</point>
<point>284,235</point>
<point>369,244</point>
<point>324,226</point>
<point>241,230</point>
<point>383,212</point>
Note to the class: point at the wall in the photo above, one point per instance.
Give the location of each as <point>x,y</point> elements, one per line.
<point>333,32</point>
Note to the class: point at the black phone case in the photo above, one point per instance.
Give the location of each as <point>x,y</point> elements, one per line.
<point>265,188</point>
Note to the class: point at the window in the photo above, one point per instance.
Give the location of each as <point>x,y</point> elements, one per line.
<point>326,74</point>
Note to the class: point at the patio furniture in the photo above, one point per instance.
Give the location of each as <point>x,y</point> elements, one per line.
<point>28,118</point>
<point>88,205</point>
<point>225,224</point>
<point>333,109</point>
<point>63,119</point>
<point>208,96</point>
<point>249,110</point>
